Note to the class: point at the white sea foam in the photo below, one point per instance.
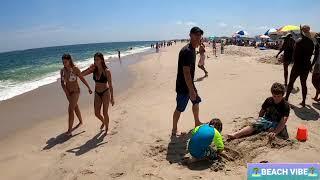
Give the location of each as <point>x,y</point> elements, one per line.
<point>10,89</point>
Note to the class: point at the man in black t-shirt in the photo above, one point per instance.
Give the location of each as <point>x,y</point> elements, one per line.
<point>302,54</point>
<point>185,87</point>
<point>273,116</point>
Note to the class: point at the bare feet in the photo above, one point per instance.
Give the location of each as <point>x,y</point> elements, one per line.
<point>69,133</point>
<point>177,133</point>
<point>303,104</point>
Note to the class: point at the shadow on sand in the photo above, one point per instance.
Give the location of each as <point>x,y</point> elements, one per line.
<point>95,142</point>
<point>60,139</point>
<point>306,113</point>
<point>177,151</point>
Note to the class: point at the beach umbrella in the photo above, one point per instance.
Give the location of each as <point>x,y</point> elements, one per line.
<point>242,33</point>
<point>212,37</point>
<point>289,28</point>
<point>264,37</point>
<point>270,31</point>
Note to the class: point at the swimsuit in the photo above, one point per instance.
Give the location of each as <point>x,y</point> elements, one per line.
<point>70,77</point>
<point>102,79</point>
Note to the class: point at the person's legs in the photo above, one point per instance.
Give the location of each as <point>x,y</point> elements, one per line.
<point>203,69</point>
<point>73,100</point>
<point>293,76</point>
<point>285,71</point>
<point>176,116</point>
<point>195,110</point>
<point>248,130</point>
<point>106,101</point>
<point>303,80</point>
<point>316,83</point>
<point>182,102</point>
<point>97,109</point>
<point>78,114</point>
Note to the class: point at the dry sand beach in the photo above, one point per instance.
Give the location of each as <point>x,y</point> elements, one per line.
<point>139,146</point>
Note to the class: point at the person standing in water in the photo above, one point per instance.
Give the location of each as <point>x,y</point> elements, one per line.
<point>302,53</point>
<point>287,47</point>
<point>202,58</point>
<point>103,89</point>
<point>185,87</point>
<point>118,53</point>
<point>316,69</point>
<point>70,86</point>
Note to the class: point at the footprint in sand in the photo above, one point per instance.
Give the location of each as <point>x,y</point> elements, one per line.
<point>152,176</point>
<point>117,175</point>
<point>113,133</point>
<point>196,177</point>
<point>86,172</point>
<point>123,112</point>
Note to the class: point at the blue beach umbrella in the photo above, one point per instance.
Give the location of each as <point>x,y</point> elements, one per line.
<point>242,33</point>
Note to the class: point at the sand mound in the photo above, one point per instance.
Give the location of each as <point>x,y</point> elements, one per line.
<point>237,152</point>
<point>269,60</point>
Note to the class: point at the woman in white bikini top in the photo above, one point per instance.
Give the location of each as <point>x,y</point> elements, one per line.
<point>70,86</point>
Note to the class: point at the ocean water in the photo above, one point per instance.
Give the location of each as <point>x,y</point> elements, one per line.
<point>26,70</point>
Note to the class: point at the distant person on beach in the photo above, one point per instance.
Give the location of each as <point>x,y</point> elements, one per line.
<point>157,47</point>
<point>202,137</point>
<point>214,48</point>
<point>316,69</point>
<point>272,118</point>
<point>222,46</point>
<point>287,47</point>
<point>103,89</point>
<point>118,53</point>
<point>202,58</point>
<point>70,86</point>
<point>185,87</point>
<point>302,53</point>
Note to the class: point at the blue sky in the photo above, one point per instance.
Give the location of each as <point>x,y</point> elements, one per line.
<point>28,24</point>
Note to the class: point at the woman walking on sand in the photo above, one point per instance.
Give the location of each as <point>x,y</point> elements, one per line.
<point>202,58</point>
<point>70,86</point>
<point>103,89</point>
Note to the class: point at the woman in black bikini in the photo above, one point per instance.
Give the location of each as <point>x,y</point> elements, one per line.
<point>70,86</point>
<point>103,88</point>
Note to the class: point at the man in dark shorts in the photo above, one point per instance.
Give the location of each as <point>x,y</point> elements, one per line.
<point>302,53</point>
<point>287,47</point>
<point>185,87</point>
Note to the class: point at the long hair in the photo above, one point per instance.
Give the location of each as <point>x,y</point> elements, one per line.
<point>100,55</point>
<point>69,58</point>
